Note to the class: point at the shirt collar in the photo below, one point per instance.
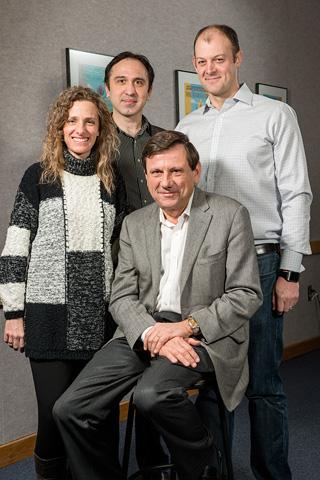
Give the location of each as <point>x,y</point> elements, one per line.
<point>244,95</point>
<point>184,214</point>
<point>145,126</point>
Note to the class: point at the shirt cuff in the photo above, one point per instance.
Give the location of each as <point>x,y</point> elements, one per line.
<point>291,260</point>
<point>145,332</point>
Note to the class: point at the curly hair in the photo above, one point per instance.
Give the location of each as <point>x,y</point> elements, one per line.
<point>106,145</point>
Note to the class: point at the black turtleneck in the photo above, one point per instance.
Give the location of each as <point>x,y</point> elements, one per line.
<point>79,166</point>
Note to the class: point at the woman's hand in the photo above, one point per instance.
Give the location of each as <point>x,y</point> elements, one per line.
<point>14,334</point>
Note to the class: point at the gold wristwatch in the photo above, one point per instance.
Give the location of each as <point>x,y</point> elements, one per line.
<point>194,325</point>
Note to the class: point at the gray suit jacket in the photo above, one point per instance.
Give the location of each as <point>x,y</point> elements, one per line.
<point>219,282</point>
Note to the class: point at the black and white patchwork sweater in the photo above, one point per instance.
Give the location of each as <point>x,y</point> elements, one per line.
<point>56,267</point>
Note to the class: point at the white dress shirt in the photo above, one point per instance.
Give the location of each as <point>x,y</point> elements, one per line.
<point>173,240</point>
<point>251,150</point>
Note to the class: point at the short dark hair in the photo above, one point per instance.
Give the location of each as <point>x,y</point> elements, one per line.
<point>135,56</point>
<point>167,139</point>
<point>229,32</point>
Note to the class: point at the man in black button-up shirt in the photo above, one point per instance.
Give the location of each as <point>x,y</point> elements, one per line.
<point>129,78</point>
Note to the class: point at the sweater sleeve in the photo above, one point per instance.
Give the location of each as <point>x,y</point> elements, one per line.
<point>21,232</point>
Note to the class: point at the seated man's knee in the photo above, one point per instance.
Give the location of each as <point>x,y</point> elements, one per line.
<point>63,410</point>
<point>151,400</point>
<point>147,399</point>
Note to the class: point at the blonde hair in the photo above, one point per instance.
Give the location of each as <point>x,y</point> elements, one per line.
<point>106,145</point>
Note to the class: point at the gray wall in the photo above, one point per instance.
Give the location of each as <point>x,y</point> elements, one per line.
<point>281,45</point>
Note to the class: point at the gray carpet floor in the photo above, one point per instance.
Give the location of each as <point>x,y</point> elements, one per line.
<point>301,378</point>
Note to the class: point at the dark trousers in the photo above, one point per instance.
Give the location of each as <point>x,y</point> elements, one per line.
<point>149,449</point>
<point>160,395</point>
<point>207,406</point>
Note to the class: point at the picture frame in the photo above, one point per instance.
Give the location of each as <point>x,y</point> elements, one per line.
<point>190,94</point>
<point>87,69</point>
<point>272,91</point>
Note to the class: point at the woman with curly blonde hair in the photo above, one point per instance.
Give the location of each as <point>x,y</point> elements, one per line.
<point>106,144</point>
<point>56,267</point>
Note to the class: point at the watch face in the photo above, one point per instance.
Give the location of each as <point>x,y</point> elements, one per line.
<point>193,324</point>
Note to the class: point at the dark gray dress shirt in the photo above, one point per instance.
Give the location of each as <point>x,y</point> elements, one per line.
<point>130,164</point>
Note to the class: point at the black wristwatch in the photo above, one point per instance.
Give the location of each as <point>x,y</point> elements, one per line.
<point>289,275</point>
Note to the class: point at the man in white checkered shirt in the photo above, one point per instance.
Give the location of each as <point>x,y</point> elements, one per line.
<point>251,149</point>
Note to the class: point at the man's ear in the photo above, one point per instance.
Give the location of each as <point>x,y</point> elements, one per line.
<point>194,63</point>
<point>149,93</point>
<point>107,90</point>
<point>238,58</point>
<point>197,173</point>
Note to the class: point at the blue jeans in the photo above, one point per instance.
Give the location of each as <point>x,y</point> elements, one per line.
<point>267,401</point>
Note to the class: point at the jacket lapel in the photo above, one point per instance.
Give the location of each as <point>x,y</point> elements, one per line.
<point>153,243</point>
<point>198,225</point>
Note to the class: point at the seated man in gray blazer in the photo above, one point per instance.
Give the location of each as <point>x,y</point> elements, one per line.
<point>186,284</point>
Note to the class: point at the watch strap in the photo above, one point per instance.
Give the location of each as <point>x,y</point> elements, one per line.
<point>289,275</point>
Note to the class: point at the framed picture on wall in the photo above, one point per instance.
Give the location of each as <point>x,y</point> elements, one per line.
<point>272,91</point>
<point>190,94</point>
<point>87,69</point>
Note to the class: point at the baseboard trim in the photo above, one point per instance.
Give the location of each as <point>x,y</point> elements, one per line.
<point>300,348</point>
<point>23,447</point>
<point>17,450</point>
<point>315,246</point>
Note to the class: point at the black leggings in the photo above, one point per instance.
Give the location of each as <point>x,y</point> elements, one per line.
<point>51,378</point>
